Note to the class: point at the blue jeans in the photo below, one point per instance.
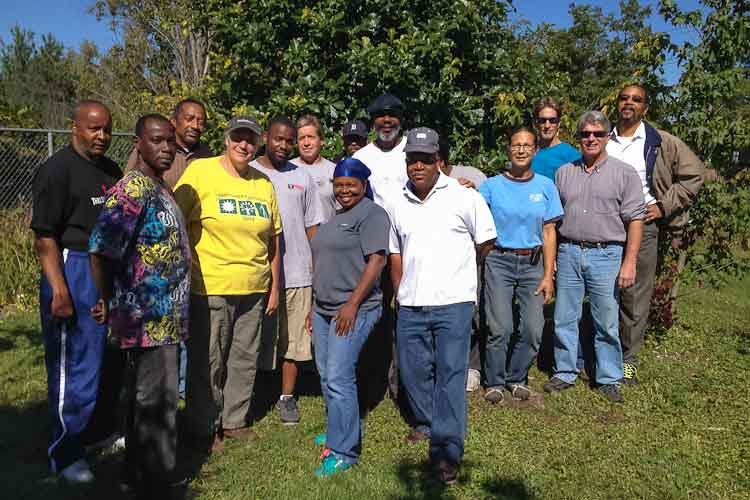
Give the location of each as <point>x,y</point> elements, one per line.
<point>432,344</point>
<point>592,270</point>
<point>336,357</point>
<point>505,275</point>
<point>182,370</point>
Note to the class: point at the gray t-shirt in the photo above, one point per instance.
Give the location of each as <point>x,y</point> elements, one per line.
<point>299,206</point>
<point>322,174</point>
<point>473,174</point>
<point>339,249</point>
<point>599,204</point>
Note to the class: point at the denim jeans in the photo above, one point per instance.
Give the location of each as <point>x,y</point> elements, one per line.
<point>432,343</point>
<point>336,357</point>
<point>592,270</point>
<point>182,370</point>
<point>505,275</point>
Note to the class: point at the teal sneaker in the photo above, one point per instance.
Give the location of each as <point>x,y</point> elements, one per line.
<point>331,465</point>
<point>320,439</point>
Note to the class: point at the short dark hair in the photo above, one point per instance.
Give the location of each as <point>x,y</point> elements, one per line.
<point>178,107</point>
<point>640,86</point>
<point>140,125</point>
<point>81,105</point>
<point>547,102</point>
<point>522,128</point>
<point>280,120</point>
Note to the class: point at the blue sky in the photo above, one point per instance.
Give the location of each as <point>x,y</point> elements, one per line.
<point>71,23</point>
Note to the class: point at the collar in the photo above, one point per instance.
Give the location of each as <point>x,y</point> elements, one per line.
<point>640,133</point>
<point>597,166</point>
<point>442,182</point>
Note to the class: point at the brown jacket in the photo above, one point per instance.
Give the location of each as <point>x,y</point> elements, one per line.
<point>674,174</point>
<point>181,160</point>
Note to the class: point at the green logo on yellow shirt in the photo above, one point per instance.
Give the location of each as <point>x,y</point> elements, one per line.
<point>245,208</point>
<point>227,206</point>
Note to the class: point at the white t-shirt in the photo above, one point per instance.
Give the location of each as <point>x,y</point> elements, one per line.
<point>630,150</point>
<point>322,173</point>
<point>388,170</point>
<point>436,239</point>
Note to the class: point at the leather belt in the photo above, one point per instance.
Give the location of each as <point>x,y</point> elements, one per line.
<point>591,244</point>
<point>516,251</point>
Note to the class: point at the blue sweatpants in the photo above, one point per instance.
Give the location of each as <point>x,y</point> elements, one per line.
<point>73,356</point>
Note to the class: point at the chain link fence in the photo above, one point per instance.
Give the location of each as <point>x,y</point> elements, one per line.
<point>22,151</point>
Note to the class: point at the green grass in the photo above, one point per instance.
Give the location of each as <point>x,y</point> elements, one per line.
<point>682,434</point>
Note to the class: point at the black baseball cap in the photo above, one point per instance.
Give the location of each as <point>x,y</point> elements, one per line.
<point>355,127</point>
<point>386,102</point>
<point>247,122</point>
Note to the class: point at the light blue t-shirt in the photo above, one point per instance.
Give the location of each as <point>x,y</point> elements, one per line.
<point>548,160</point>
<point>520,208</point>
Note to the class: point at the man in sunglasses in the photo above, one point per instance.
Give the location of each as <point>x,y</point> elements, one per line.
<point>552,153</point>
<point>600,233</point>
<point>671,176</point>
<point>437,227</point>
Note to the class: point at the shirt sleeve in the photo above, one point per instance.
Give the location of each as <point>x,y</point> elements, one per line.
<point>374,231</point>
<point>275,214</point>
<point>118,221</point>
<point>482,225</point>
<point>186,195</point>
<point>554,210</point>
<point>484,190</point>
<point>394,242</point>
<point>313,205</point>
<point>50,195</point>
<point>633,206</point>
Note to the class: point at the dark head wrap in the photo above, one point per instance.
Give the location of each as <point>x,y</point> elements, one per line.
<point>351,167</point>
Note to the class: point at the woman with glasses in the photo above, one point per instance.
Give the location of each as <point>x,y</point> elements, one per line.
<point>234,230</point>
<point>552,152</point>
<point>525,208</point>
<point>349,254</point>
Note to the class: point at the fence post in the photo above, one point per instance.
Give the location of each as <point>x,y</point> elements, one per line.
<point>50,145</point>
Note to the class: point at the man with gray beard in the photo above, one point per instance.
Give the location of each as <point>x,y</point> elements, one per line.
<point>385,155</point>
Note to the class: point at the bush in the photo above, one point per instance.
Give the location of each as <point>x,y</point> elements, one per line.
<point>19,270</point>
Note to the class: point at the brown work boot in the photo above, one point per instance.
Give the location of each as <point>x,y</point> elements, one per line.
<point>242,433</point>
<point>416,436</point>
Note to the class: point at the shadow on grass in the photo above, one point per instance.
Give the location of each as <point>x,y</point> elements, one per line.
<point>12,331</point>
<point>421,484</point>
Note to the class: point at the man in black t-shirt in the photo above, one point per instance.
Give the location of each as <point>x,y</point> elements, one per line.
<point>69,191</point>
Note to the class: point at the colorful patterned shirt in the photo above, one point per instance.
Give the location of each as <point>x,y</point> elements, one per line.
<point>141,228</point>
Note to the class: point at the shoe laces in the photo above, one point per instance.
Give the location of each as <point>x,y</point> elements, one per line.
<point>628,370</point>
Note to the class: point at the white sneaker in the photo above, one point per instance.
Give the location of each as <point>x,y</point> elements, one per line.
<point>78,472</point>
<point>112,443</point>
<point>473,380</point>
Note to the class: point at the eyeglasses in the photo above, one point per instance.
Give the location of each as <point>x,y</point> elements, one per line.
<point>553,120</point>
<point>584,134</point>
<point>522,147</point>
<point>424,158</point>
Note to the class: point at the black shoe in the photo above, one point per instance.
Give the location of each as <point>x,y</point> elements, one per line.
<point>445,471</point>
<point>556,385</point>
<point>612,393</point>
<point>629,374</point>
<point>288,412</point>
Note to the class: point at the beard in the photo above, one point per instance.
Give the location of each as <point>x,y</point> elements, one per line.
<point>383,137</point>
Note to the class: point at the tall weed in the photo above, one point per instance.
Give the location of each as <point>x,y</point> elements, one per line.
<point>19,270</point>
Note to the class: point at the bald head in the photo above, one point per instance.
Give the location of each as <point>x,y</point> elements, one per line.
<point>92,129</point>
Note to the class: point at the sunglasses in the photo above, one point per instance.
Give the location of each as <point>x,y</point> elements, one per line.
<point>584,134</point>
<point>541,121</point>
<point>425,158</point>
<point>634,98</point>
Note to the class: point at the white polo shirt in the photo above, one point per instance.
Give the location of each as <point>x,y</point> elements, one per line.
<point>436,239</point>
<point>630,150</point>
<point>388,170</point>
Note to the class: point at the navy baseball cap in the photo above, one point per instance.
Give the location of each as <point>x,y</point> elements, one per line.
<point>386,102</point>
<point>355,127</point>
<point>422,140</point>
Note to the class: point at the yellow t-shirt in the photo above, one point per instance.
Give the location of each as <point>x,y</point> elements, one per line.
<point>230,223</point>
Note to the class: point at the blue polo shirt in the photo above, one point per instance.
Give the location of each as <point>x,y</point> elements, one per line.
<point>520,208</point>
<point>548,160</point>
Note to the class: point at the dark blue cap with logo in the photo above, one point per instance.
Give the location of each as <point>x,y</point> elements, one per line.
<point>355,127</point>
